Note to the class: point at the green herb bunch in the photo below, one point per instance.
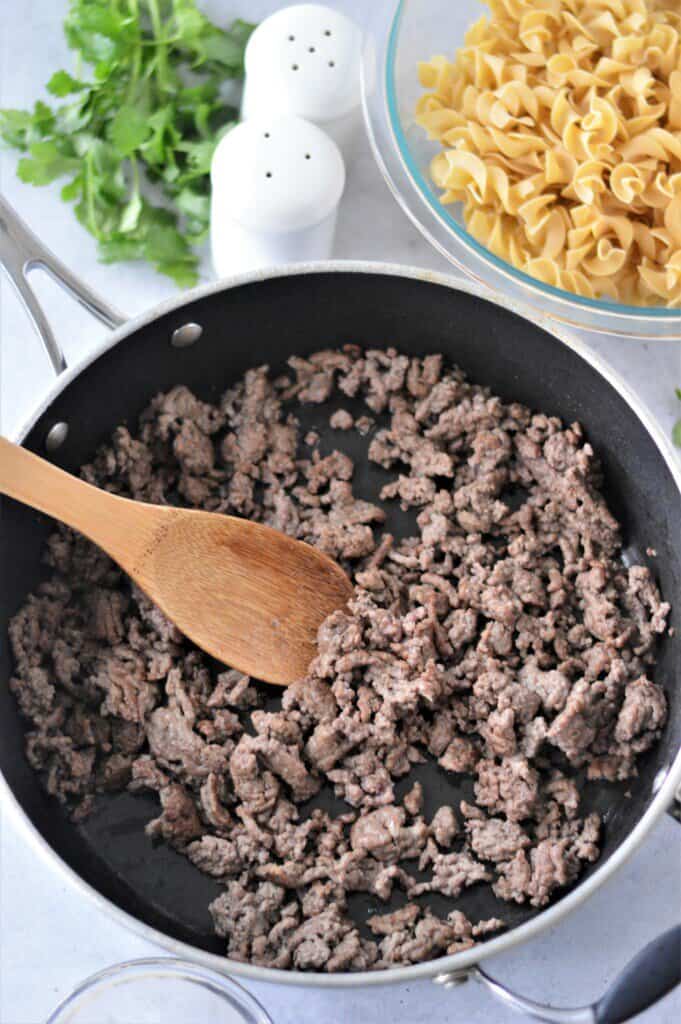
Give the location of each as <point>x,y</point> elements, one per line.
<point>151,113</point>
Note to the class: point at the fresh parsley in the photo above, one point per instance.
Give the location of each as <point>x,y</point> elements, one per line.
<point>149,113</point>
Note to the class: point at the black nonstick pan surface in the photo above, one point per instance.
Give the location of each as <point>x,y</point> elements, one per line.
<point>266,321</point>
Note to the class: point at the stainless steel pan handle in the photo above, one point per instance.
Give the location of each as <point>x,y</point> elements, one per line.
<point>649,976</point>
<point>20,252</point>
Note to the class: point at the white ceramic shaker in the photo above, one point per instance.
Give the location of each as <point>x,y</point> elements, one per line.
<point>305,60</point>
<point>276,183</point>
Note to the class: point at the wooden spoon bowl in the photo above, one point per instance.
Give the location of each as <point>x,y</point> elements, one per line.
<point>247,594</point>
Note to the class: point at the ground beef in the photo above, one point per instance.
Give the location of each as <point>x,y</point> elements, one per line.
<point>502,639</point>
<point>341,420</point>
<point>444,826</point>
<point>411,934</point>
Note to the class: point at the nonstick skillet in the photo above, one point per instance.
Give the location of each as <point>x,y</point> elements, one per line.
<point>207,339</point>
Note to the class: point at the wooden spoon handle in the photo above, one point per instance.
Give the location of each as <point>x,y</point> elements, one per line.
<point>119,526</point>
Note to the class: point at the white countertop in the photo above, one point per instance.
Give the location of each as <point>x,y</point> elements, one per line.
<point>49,940</point>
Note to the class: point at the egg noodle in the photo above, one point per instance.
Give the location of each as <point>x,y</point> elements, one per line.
<point>560,122</point>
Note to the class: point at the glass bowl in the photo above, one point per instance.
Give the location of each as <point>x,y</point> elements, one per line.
<point>400,35</point>
<point>159,990</point>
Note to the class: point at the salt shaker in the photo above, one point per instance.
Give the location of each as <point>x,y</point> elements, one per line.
<point>305,60</point>
<point>276,184</point>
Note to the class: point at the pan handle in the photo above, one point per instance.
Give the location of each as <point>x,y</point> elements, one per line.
<point>20,252</point>
<point>649,976</point>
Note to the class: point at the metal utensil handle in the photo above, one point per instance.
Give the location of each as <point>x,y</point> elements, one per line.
<point>649,976</point>
<point>20,252</point>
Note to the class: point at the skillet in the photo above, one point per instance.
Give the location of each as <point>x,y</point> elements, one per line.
<point>207,339</point>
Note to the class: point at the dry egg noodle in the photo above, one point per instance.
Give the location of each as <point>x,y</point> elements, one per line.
<point>560,122</point>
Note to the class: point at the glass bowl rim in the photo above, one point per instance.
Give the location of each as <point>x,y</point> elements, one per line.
<point>426,193</point>
<point>221,985</point>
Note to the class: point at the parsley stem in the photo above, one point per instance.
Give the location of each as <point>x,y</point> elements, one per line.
<point>134,11</point>
<point>89,196</point>
<point>161,56</point>
<point>135,175</point>
<point>134,74</point>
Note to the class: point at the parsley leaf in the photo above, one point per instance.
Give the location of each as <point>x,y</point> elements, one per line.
<point>62,83</point>
<point>45,163</point>
<point>150,113</point>
<point>129,130</point>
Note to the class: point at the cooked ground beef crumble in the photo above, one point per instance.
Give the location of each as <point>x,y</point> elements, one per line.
<point>506,640</point>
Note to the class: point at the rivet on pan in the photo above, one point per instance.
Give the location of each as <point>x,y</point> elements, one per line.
<point>660,776</point>
<point>186,335</point>
<point>56,436</point>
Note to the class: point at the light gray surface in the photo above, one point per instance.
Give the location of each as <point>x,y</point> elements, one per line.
<point>48,940</point>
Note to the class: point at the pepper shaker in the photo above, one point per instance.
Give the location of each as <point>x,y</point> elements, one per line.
<point>276,184</point>
<point>305,60</point>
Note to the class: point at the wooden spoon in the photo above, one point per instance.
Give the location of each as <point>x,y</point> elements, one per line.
<point>246,593</point>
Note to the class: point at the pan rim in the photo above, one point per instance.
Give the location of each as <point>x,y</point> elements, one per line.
<point>466,959</point>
